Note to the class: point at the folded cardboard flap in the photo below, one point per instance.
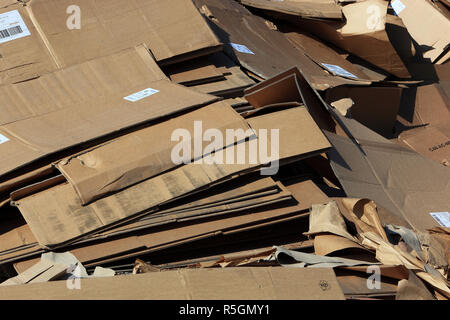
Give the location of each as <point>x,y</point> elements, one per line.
<point>148,152</point>
<point>56,215</point>
<point>402,181</point>
<point>363,34</point>
<point>265,52</point>
<point>67,108</point>
<point>230,283</point>
<point>54,34</point>
<point>375,107</point>
<point>427,25</point>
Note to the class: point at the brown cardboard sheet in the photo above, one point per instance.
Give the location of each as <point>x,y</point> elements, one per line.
<point>86,102</point>
<point>174,30</point>
<point>362,34</point>
<point>428,26</point>
<point>303,8</point>
<point>229,283</point>
<point>145,153</point>
<point>56,215</point>
<point>400,180</point>
<point>263,51</point>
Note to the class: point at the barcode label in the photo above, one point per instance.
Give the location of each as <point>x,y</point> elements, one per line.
<point>443,218</point>
<point>12,26</point>
<point>141,94</point>
<point>337,70</point>
<point>10,32</point>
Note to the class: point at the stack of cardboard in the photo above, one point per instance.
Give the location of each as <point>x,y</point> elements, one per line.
<point>163,136</point>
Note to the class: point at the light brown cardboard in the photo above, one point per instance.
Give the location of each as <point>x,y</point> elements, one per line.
<point>375,107</point>
<point>428,26</point>
<point>304,8</point>
<point>363,34</point>
<point>64,218</point>
<point>267,52</point>
<point>430,110</point>
<point>145,153</point>
<point>174,30</point>
<point>402,181</point>
<point>229,283</point>
<point>49,114</point>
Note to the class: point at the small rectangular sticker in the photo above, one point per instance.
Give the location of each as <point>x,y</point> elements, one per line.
<point>338,70</point>
<point>141,94</point>
<point>443,218</point>
<point>398,6</point>
<point>241,48</point>
<point>3,139</point>
<point>12,26</point>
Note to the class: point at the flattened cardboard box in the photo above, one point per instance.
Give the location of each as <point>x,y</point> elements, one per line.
<point>49,38</point>
<point>145,153</point>
<point>56,215</point>
<point>259,49</point>
<point>427,25</point>
<point>86,102</point>
<point>431,111</point>
<point>362,34</point>
<point>229,283</point>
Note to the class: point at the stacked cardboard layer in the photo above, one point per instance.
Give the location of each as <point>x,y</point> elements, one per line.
<point>162,136</point>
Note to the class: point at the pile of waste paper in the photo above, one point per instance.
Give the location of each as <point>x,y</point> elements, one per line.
<point>224,149</point>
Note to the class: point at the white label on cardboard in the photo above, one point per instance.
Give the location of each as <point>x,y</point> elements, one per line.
<point>3,139</point>
<point>241,48</point>
<point>398,6</point>
<point>338,70</point>
<point>141,94</point>
<point>443,218</point>
<point>12,26</point>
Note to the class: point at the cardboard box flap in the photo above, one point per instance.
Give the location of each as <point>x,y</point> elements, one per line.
<point>304,8</point>
<point>61,35</point>
<point>146,153</point>
<point>402,181</point>
<point>86,102</point>
<point>259,49</point>
<point>426,24</point>
<point>56,215</point>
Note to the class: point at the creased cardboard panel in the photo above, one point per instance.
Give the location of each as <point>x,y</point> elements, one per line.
<point>145,153</point>
<point>56,215</point>
<point>304,8</point>
<point>86,102</point>
<point>174,30</point>
<point>402,181</point>
<point>229,283</point>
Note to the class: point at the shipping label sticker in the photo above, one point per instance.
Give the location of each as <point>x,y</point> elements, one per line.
<point>241,48</point>
<point>12,26</point>
<point>443,218</point>
<point>141,94</point>
<point>338,70</point>
<point>3,139</point>
<point>398,6</point>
